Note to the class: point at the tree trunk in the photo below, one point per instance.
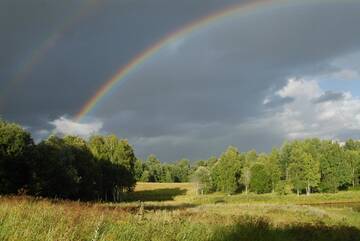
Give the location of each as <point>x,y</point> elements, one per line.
<point>308,190</point>
<point>246,189</point>
<point>298,192</point>
<point>353,181</point>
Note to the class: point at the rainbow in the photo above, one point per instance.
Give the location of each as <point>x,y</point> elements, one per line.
<point>38,54</point>
<point>139,59</point>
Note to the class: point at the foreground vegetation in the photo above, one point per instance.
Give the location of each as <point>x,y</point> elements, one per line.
<point>183,215</point>
<point>238,196</point>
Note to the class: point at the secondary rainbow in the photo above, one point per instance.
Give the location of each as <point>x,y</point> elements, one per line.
<point>139,59</point>
<point>38,54</point>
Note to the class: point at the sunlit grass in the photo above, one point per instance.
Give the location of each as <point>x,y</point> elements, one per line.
<point>182,215</point>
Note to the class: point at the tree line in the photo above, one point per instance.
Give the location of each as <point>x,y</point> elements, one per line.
<point>105,167</point>
<point>153,170</point>
<point>300,166</point>
<point>101,168</point>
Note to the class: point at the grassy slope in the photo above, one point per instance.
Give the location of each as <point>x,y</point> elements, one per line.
<point>175,212</point>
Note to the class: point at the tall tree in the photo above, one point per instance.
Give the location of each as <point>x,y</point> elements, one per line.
<point>202,177</point>
<point>153,166</point>
<point>138,169</point>
<point>260,179</point>
<point>227,171</point>
<point>16,153</point>
<point>54,172</point>
<point>304,168</point>
<point>273,168</point>
<point>248,160</point>
<point>352,159</point>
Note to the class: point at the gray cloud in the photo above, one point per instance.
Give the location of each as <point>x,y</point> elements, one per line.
<point>189,99</point>
<point>329,96</point>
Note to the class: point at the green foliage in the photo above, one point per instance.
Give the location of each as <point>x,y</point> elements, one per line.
<point>202,177</point>
<point>145,177</point>
<point>54,169</point>
<point>284,187</point>
<point>16,148</point>
<point>66,167</point>
<point>138,169</point>
<point>155,171</point>
<point>260,179</point>
<point>304,169</point>
<point>226,172</point>
<point>153,166</point>
<point>248,160</point>
<point>105,167</point>
<point>273,168</point>
<point>115,150</point>
<point>335,172</point>
<point>182,171</point>
<point>352,159</point>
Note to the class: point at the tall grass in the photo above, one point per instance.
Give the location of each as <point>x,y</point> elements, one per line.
<point>183,216</point>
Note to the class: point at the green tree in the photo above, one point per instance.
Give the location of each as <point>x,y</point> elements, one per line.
<point>273,168</point>
<point>138,169</point>
<point>54,172</point>
<point>335,171</point>
<point>116,159</point>
<point>145,177</point>
<point>249,160</point>
<point>202,177</point>
<point>304,169</point>
<point>89,185</point>
<point>285,160</point>
<point>227,171</point>
<point>115,150</point>
<point>182,171</point>
<point>16,154</point>
<point>352,156</point>
<point>153,166</point>
<point>352,159</point>
<point>260,179</point>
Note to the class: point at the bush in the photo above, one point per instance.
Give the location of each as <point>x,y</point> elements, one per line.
<point>284,188</point>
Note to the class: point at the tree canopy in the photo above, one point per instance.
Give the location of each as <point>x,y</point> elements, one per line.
<point>106,167</point>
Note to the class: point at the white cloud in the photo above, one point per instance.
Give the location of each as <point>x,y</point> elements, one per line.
<point>305,118</point>
<point>67,126</point>
<point>300,88</point>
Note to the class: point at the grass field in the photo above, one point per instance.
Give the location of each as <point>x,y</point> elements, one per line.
<point>175,212</point>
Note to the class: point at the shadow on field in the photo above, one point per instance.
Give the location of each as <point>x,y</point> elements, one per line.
<point>163,194</point>
<point>169,207</point>
<point>262,230</point>
<point>138,208</point>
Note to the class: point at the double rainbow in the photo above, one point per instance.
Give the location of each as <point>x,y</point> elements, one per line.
<point>124,71</point>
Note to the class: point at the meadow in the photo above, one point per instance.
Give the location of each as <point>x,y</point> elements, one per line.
<point>174,211</point>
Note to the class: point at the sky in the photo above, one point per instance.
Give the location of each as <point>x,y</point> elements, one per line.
<point>284,70</point>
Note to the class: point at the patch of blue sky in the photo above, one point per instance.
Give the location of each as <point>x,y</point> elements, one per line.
<point>345,77</point>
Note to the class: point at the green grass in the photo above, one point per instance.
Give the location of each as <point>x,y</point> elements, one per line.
<point>175,212</point>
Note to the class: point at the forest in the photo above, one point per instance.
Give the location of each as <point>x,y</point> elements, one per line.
<point>106,167</point>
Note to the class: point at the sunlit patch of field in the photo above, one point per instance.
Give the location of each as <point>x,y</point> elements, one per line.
<point>189,187</point>
<point>146,192</point>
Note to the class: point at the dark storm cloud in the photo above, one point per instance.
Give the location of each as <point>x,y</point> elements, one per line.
<point>329,96</point>
<point>89,50</point>
<point>223,74</point>
<point>192,98</point>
